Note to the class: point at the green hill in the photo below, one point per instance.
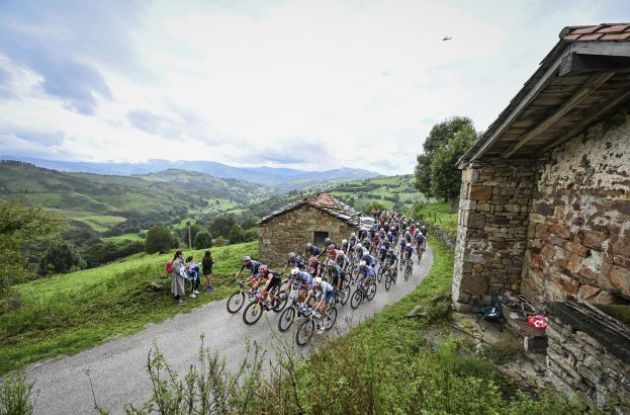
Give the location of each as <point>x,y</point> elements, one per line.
<point>103,202</point>
<point>70,312</point>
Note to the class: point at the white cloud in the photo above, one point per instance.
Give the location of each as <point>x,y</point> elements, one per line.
<point>244,83</point>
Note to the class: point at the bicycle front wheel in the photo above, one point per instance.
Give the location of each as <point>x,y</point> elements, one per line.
<point>305,332</point>
<point>408,271</point>
<point>286,319</point>
<point>356,299</point>
<point>388,281</point>
<point>332,317</point>
<point>253,312</point>
<point>235,302</point>
<point>345,294</point>
<point>371,292</point>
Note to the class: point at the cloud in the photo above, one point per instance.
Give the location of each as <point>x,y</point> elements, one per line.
<point>306,84</point>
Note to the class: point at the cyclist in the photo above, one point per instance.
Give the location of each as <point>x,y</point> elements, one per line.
<point>382,250</point>
<point>312,250</point>
<point>344,245</point>
<point>314,267</point>
<point>253,267</point>
<point>352,241</point>
<point>272,281</point>
<point>328,243</point>
<point>391,260</point>
<point>301,280</point>
<point>338,276</point>
<point>294,260</point>
<point>407,253</point>
<point>324,295</point>
<point>423,229</point>
<point>369,259</point>
<point>366,271</point>
<point>342,259</point>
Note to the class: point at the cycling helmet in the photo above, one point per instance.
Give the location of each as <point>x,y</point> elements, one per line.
<point>362,264</point>
<point>407,233</point>
<point>309,245</point>
<point>423,228</point>
<point>317,281</point>
<point>263,269</point>
<point>327,241</point>
<point>344,242</point>
<point>408,245</point>
<point>353,235</point>
<point>391,250</point>
<point>295,271</point>
<point>246,258</point>
<point>359,249</point>
<point>292,255</point>
<point>365,256</point>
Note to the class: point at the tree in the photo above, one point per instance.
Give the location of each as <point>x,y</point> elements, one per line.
<point>61,257</point>
<point>159,239</point>
<point>203,240</point>
<point>372,206</point>
<point>222,226</point>
<point>21,225</point>
<point>436,173</point>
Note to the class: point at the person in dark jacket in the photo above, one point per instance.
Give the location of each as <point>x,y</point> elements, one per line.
<point>206,270</point>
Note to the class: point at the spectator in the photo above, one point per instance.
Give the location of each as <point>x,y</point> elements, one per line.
<point>177,280</point>
<point>192,270</point>
<point>206,267</point>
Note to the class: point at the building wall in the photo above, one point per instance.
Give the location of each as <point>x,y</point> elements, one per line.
<point>492,228</point>
<point>292,230</point>
<point>579,224</point>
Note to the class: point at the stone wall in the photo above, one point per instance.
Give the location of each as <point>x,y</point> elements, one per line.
<point>579,223</point>
<point>580,363</point>
<point>293,229</point>
<point>492,228</point>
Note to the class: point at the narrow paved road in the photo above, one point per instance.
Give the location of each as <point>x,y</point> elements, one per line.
<point>118,369</point>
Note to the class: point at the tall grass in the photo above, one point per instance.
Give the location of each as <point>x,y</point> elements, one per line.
<point>69,313</point>
<point>438,214</point>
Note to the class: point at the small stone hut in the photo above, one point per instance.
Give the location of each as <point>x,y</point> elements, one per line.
<point>307,220</point>
<point>545,209</point>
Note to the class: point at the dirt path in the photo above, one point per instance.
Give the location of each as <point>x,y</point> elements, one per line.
<point>118,369</point>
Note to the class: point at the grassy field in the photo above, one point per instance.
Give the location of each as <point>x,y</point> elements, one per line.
<point>124,237</point>
<point>65,314</point>
<point>436,214</point>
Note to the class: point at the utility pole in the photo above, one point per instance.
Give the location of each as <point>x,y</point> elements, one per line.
<point>189,238</point>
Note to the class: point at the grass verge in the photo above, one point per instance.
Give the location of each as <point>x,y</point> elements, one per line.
<point>437,214</point>
<point>68,313</point>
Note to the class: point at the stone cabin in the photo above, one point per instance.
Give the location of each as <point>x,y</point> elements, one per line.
<point>545,209</point>
<point>307,220</point>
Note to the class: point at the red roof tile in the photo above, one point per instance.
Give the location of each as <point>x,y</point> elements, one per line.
<point>604,31</point>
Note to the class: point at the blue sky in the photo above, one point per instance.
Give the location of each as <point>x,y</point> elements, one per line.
<point>306,84</point>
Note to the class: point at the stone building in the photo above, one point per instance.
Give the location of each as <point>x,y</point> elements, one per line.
<point>307,220</point>
<point>545,207</point>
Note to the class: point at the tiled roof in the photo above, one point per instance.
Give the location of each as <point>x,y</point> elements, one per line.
<point>322,201</point>
<point>604,31</point>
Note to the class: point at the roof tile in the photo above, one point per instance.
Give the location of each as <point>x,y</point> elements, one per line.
<point>594,36</point>
<point>616,28</point>
<point>616,36</point>
<point>585,30</point>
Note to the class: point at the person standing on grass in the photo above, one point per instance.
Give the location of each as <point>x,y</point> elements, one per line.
<point>206,269</point>
<point>192,271</point>
<point>177,281</point>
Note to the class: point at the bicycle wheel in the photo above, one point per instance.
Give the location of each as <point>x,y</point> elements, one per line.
<point>286,319</point>
<point>356,299</point>
<point>305,332</point>
<point>253,312</point>
<point>408,271</point>
<point>235,302</point>
<point>345,294</point>
<point>332,317</point>
<point>388,281</point>
<point>281,301</point>
<point>379,274</point>
<point>371,292</point>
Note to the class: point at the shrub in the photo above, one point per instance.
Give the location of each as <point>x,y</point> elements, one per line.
<point>61,257</point>
<point>159,239</point>
<point>203,240</point>
<point>15,393</point>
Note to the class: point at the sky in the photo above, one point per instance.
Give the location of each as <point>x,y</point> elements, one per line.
<point>303,84</point>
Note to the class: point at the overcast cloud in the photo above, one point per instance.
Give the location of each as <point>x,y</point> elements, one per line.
<point>306,84</point>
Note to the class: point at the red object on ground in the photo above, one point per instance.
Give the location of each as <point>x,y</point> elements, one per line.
<point>538,322</point>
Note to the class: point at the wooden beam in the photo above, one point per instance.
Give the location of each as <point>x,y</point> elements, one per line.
<point>592,84</point>
<point>610,104</point>
<point>579,64</point>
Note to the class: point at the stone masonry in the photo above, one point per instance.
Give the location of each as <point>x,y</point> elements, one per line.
<point>492,229</point>
<point>292,230</point>
<point>579,224</point>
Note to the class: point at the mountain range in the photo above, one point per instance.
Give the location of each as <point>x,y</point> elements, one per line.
<point>282,179</point>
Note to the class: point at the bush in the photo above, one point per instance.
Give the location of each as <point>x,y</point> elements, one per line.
<point>102,252</point>
<point>203,240</point>
<point>159,239</point>
<point>61,257</point>
<point>15,393</point>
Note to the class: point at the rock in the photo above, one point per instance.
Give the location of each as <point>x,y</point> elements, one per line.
<point>157,286</point>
